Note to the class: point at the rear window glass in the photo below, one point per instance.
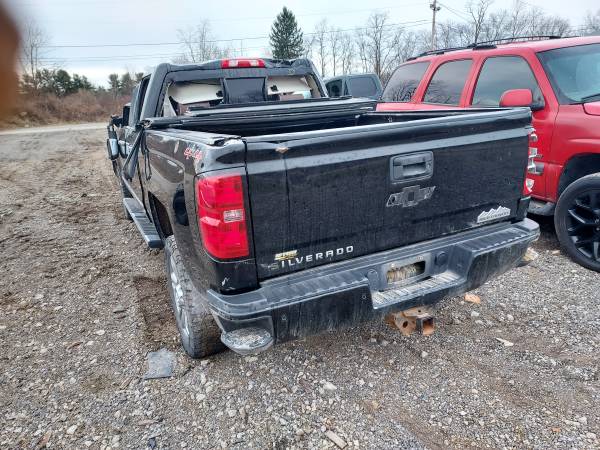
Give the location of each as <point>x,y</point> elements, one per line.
<point>245,90</point>
<point>362,86</point>
<point>334,88</point>
<point>404,82</point>
<point>448,82</point>
<point>188,96</point>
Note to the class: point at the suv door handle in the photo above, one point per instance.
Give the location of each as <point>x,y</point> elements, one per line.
<point>408,167</point>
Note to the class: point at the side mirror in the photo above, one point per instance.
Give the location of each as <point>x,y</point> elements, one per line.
<point>520,97</point>
<point>125,116</point>
<point>112,144</point>
<point>516,97</point>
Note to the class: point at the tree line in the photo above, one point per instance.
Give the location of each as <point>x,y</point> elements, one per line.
<point>61,83</point>
<point>36,79</point>
<point>380,45</point>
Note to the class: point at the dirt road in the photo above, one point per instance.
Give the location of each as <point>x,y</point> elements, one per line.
<point>54,129</point>
<point>82,301</point>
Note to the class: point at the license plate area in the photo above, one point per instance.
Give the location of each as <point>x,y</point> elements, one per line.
<point>401,273</point>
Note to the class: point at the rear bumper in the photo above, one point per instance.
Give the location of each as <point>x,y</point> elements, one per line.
<point>354,291</point>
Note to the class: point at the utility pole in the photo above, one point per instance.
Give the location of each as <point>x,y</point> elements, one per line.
<point>435,8</point>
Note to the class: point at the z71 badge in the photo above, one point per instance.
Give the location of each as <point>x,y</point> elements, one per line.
<point>410,196</point>
<point>493,214</point>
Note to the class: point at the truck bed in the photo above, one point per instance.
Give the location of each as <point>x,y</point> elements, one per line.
<point>332,180</point>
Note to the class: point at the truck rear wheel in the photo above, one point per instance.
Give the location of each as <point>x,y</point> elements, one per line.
<point>200,335</point>
<point>577,221</point>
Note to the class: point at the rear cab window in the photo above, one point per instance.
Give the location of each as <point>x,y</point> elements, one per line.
<point>361,86</point>
<point>334,88</point>
<point>448,82</point>
<point>404,82</point>
<point>500,74</point>
<point>183,98</point>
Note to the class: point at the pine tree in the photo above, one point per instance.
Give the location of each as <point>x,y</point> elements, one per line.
<point>286,36</point>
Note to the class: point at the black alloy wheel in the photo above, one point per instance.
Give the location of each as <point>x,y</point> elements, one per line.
<point>577,221</point>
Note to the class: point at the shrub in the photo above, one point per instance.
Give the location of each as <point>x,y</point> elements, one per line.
<point>45,108</point>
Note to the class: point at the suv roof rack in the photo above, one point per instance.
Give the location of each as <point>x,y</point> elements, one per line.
<point>517,39</point>
<point>485,45</point>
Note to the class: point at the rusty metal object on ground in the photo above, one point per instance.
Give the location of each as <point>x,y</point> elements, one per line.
<point>529,256</point>
<point>419,319</point>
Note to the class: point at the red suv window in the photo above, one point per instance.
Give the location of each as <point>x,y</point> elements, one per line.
<point>447,83</point>
<point>500,74</point>
<point>574,72</point>
<point>404,82</point>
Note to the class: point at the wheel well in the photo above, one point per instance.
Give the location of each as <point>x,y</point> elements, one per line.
<point>160,217</point>
<point>577,167</point>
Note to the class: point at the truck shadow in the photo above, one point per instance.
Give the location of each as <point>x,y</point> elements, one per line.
<point>548,240</point>
<point>160,329</point>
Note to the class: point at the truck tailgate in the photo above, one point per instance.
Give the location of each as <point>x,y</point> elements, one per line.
<point>325,196</point>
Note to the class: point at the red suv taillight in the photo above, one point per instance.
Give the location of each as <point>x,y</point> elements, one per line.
<point>222,216</point>
<point>531,168</point>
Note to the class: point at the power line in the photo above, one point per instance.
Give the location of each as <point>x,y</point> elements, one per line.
<point>58,60</point>
<point>212,41</point>
<point>455,12</point>
<point>103,58</point>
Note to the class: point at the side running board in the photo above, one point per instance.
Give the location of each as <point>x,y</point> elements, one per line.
<point>145,227</point>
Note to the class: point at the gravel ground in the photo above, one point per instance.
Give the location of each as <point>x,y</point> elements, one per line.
<point>82,301</point>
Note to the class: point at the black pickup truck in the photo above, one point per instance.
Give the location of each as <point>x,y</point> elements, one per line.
<point>284,213</point>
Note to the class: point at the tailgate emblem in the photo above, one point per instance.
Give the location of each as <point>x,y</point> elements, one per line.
<point>493,214</point>
<point>410,196</point>
<point>286,255</point>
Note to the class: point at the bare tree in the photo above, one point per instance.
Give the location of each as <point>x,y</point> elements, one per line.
<point>495,26</point>
<point>381,39</point>
<point>199,44</point>
<point>321,38</point>
<point>308,46</point>
<point>347,49</point>
<point>410,44</point>
<point>362,47</point>
<point>521,20</point>
<point>591,24</point>
<point>478,12</point>
<point>335,47</point>
<point>32,51</point>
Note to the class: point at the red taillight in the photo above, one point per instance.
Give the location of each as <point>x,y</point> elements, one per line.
<point>221,215</point>
<point>242,63</point>
<point>531,167</point>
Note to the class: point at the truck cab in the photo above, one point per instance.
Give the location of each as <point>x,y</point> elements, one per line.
<point>357,85</point>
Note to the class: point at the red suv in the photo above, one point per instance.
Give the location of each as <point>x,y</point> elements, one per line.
<point>559,79</point>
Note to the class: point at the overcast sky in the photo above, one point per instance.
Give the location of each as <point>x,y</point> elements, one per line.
<point>129,22</point>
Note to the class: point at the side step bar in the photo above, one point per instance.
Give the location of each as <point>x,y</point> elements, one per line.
<point>145,227</point>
